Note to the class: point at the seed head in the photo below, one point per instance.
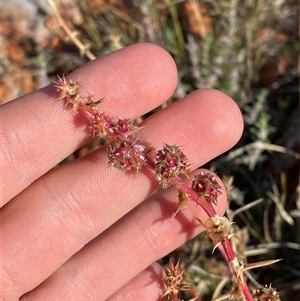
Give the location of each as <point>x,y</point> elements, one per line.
<point>68,91</point>
<point>217,228</point>
<point>174,281</point>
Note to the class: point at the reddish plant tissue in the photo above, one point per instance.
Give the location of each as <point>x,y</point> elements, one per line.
<point>207,187</point>
<point>170,163</point>
<point>127,151</point>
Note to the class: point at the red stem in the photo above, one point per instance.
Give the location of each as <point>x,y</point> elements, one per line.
<point>192,195</point>
<point>226,247</point>
<point>246,292</point>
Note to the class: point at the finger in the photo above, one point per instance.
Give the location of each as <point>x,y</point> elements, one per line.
<point>37,133</point>
<point>146,286</point>
<point>144,235</point>
<point>68,207</point>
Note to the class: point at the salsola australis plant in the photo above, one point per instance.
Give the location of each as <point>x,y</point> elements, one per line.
<point>127,151</point>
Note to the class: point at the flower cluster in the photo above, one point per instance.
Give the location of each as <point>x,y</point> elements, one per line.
<point>169,164</point>
<point>102,127</point>
<point>266,293</point>
<point>207,187</point>
<point>124,154</point>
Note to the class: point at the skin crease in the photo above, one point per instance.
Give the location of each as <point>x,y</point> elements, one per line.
<point>84,230</point>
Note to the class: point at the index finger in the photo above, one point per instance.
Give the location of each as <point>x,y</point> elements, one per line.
<point>37,133</point>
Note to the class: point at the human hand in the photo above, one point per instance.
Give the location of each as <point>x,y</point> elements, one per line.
<point>87,231</point>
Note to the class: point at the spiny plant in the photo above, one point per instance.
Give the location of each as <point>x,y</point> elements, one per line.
<point>127,151</point>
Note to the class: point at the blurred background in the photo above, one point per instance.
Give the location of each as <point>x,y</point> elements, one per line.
<point>248,49</point>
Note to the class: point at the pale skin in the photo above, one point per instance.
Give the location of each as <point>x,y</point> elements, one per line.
<point>87,231</point>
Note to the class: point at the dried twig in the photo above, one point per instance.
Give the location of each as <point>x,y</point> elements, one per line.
<point>71,34</point>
